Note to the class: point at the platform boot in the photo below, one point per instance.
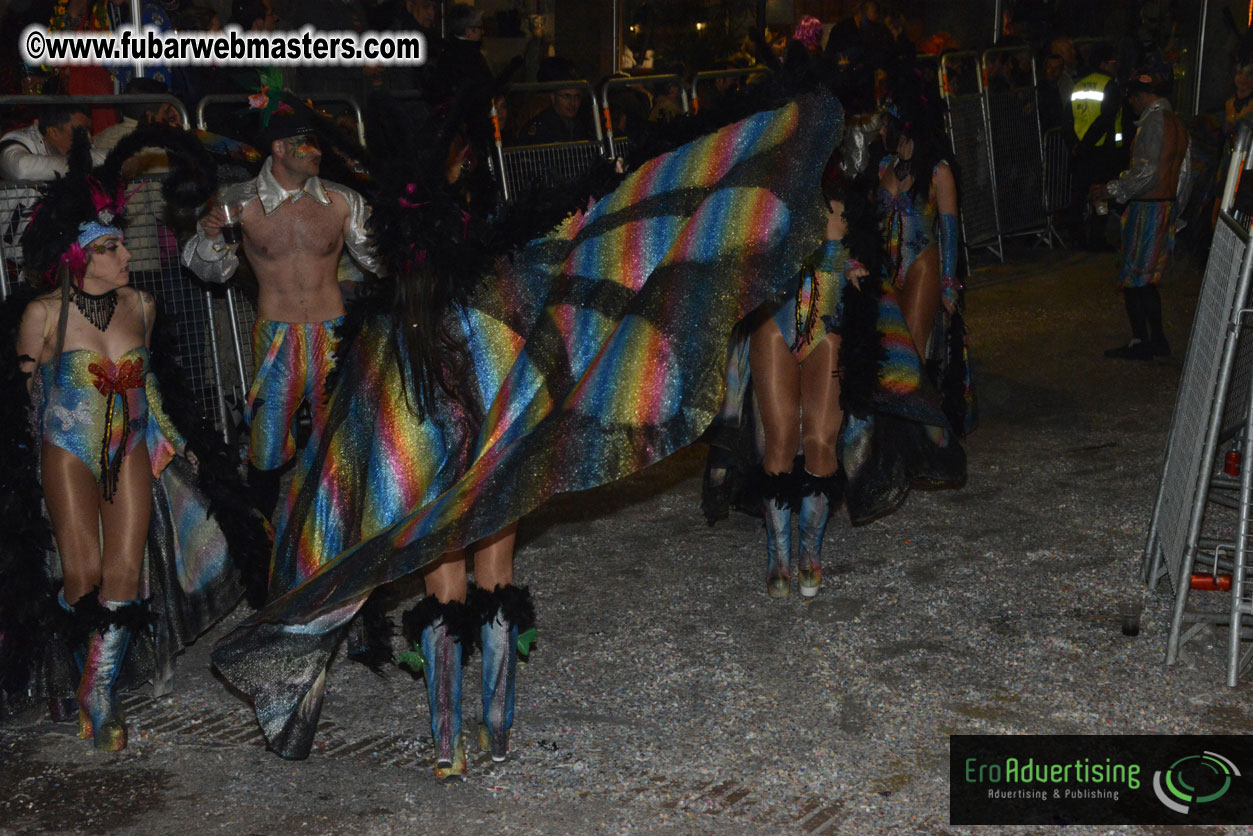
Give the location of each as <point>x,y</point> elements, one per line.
<point>99,715</point>
<point>66,653</point>
<point>443,636</point>
<point>507,628</point>
<point>779,498</point>
<point>818,495</point>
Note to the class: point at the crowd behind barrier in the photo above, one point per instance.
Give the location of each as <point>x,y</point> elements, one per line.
<point>1012,180</point>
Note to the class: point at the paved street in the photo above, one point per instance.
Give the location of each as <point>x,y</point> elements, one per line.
<point>668,695</point>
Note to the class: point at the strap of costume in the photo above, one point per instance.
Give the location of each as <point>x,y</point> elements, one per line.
<point>950,287</point>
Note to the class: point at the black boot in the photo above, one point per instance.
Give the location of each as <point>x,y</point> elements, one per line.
<point>442,636</point>
<point>1138,348</point>
<point>507,628</point>
<point>1152,303</point>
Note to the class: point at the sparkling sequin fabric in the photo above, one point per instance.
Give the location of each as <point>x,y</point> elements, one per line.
<point>97,409</point>
<point>597,352</point>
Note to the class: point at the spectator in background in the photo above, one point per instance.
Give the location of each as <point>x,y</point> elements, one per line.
<point>1095,138</point>
<point>1064,49</point>
<point>84,16</point>
<point>412,16</point>
<point>40,150</point>
<point>538,47</point>
<point>1155,190</point>
<point>667,102</point>
<point>138,114</point>
<point>329,16</point>
<point>254,15</point>
<point>563,120</point>
<point>462,64</point>
<point>1240,105</point>
<point>861,37</point>
<point>809,33</point>
<point>1051,109</point>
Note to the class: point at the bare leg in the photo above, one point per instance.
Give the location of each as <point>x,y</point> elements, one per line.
<point>446,578</point>
<point>73,499</point>
<point>493,559</point>
<point>820,406</point>
<point>777,385</point>
<point>126,527</point>
<point>821,417</point>
<point>920,298</point>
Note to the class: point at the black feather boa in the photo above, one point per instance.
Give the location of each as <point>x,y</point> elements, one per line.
<point>458,616</point>
<point>28,608</point>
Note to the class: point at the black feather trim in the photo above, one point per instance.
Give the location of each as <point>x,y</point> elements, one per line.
<point>832,486</point>
<point>459,617</point>
<point>785,489</point>
<point>28,604</point>
<point>135,616</point>
<point>370,639</point>
<point>512,602</point>
<point>862,352</point>
<point>953,384</point>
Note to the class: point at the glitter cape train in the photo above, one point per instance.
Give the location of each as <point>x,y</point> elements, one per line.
<point>598,350</point>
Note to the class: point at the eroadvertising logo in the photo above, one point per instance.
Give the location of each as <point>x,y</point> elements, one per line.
<point>1211,770</point>
<point>1099,779</point>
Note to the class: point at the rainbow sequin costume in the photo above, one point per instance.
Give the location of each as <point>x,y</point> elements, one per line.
<point>98,410</point>
<point>292,360</point>
<point>817,299</point>
<point>598,351</point>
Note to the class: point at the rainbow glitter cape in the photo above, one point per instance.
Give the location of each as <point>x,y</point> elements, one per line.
<point>598,351</point>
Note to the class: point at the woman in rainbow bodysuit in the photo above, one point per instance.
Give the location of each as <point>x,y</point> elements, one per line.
<point>917,204</point>
<point>102,439</point>
<point>793,354</point>
<point>917,200</point>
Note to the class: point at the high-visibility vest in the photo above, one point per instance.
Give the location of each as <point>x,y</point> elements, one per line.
<point>1085,105</point>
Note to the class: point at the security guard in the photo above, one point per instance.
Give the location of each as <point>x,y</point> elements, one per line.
<point>1096,138</point>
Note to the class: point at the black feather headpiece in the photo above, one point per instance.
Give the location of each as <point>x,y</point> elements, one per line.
<point>85,204</point>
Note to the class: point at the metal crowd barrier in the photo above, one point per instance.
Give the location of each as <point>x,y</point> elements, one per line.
<point>549,164</point>
<point>620,146</point>
<point>1203,514</point>
<point>1057,186</point>
<point>1010,83</point>
<point>242,99</point>
<point>961,84</point>
<point>713,76</point>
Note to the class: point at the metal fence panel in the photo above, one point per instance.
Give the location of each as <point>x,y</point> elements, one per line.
<point>1184,466</point>
<point>1057,188</point>
<point>16,202</point>
<point>975,184</point>
<point>961,85</point>
<point>181,302</point>
<point>1014,125</point>
<point>549,165</point>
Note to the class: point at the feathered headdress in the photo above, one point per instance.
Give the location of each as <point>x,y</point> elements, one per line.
<point>84,204</point>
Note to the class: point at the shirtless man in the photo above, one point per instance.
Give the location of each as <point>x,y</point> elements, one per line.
<point>295,226</point>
